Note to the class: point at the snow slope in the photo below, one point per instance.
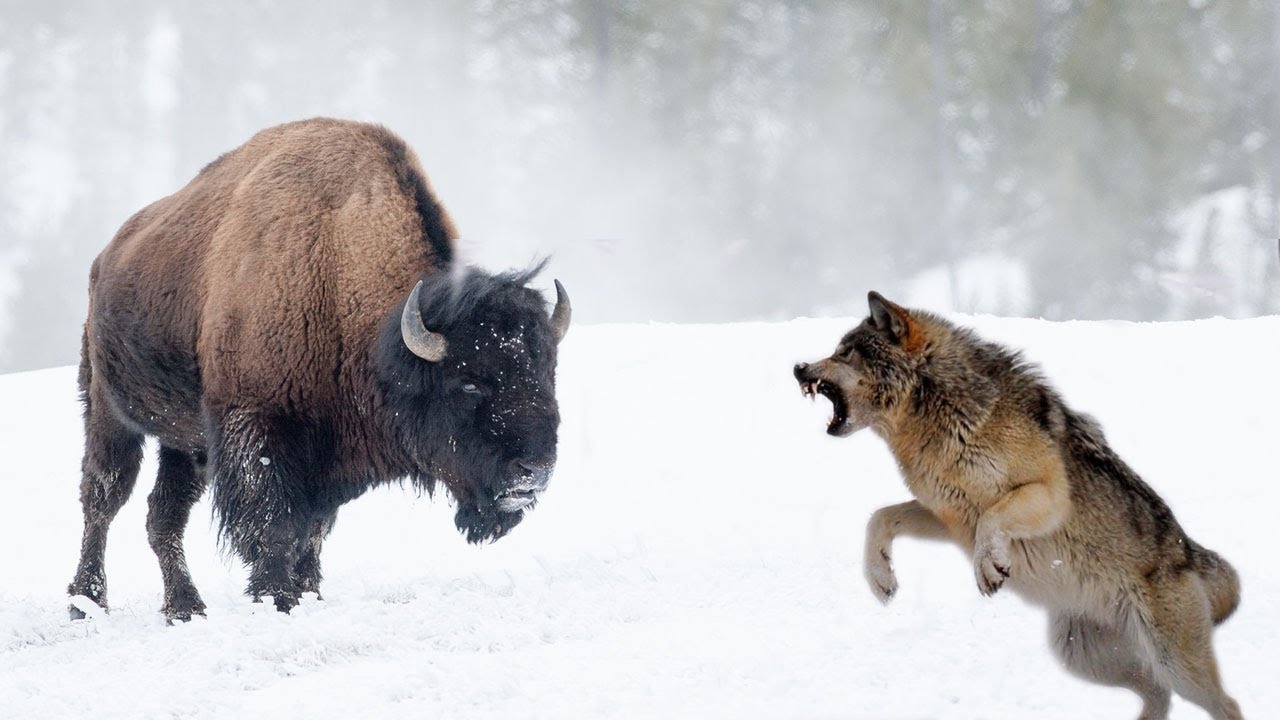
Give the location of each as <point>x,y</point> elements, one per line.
<point>698,554</point>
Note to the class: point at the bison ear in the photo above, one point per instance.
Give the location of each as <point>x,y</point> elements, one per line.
<point>889,317</point>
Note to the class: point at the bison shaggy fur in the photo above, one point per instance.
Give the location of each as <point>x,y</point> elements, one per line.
<point>294,329</point>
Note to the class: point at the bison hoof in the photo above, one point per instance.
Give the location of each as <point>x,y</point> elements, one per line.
<point>284,601</point>
<point>82,607</point>
<point>182,609</point>
<point>309,584</point>
<point>171,615</point>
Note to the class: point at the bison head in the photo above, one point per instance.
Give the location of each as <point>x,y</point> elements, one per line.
<point>469,368</point>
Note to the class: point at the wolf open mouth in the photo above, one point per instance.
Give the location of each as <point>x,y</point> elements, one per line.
<point>839,421</point>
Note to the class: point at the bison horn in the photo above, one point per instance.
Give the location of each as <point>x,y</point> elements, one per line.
<point>560,316</point>
<point>422,342</point>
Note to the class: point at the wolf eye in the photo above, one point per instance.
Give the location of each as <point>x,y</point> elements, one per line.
<point>470,389</point>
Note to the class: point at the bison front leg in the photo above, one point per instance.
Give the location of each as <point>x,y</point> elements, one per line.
<point>271,555</point>
<point>307,571</point>
<point>259,471</point>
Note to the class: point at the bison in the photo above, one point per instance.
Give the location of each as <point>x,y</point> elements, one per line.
<point>294,328</point>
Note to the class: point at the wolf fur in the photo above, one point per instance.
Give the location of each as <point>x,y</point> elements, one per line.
<point>998,463</point>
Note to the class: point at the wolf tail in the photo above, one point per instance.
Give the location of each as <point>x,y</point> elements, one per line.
<point>1221,582</point>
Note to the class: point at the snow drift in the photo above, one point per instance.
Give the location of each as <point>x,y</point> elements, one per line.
<point>697,554</point>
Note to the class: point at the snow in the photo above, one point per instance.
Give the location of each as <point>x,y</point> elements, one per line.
<point>697,555</point>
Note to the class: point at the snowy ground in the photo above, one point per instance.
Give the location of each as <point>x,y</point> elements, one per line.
<point>696,556</point>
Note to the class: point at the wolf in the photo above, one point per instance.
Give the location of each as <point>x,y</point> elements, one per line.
<point>998,463</point>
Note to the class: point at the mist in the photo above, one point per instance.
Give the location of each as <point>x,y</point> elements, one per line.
<point>692,162</point>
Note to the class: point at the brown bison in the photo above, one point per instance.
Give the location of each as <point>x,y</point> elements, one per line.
<point>294,329</point>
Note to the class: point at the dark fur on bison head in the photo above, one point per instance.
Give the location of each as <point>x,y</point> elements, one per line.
<point>476,409</point>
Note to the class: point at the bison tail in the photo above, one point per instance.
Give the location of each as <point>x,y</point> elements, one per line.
<point>86,370</point>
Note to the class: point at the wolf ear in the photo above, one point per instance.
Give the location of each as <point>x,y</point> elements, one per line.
<point>889,317</point>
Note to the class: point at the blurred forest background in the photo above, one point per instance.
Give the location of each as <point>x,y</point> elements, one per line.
<point>692,161</point>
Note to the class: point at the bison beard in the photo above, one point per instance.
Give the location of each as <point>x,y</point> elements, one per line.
<point>259,323</point>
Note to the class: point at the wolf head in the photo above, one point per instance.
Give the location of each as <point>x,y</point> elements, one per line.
<point>898,363</point>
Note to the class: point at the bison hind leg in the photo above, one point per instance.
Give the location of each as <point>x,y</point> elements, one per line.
<point>179,484</point>
<point>112,456</point>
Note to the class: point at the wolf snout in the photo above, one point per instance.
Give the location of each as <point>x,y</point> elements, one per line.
<point>810,384</point>
<point>802,372</point>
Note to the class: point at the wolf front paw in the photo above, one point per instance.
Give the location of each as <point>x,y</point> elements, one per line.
<point>878,569</point>
<point>991,566</point>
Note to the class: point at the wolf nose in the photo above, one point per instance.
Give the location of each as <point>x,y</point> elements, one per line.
<point>799,370</point>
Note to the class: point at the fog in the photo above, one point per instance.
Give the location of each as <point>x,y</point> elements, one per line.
<point>692,161</point>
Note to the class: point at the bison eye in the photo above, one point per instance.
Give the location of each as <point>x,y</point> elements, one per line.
<point>470,389</point>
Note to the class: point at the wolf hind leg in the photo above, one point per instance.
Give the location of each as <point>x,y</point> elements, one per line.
<point>1109,656</point>
<point>1179,622</point>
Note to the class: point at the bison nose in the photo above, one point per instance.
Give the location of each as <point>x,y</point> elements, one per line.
<point>526,480</point>
<point>800,369</point>
<point>532,476</point>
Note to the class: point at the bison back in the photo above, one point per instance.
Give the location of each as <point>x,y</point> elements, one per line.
<point>263,281</point>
